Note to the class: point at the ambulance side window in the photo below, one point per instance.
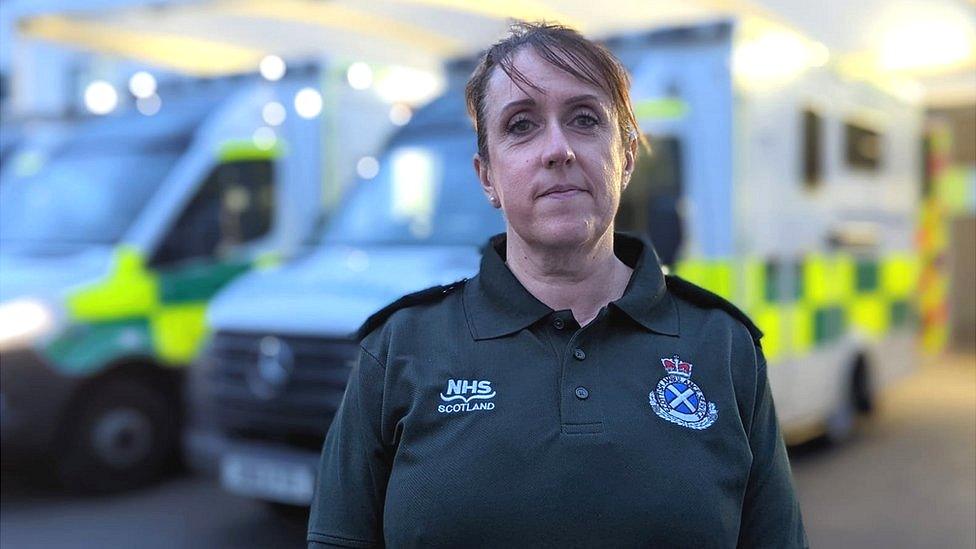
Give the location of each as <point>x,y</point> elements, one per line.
<point>651,203</point>
<point>233,206</point>
<point>862,147</point>
<point>812,149</point>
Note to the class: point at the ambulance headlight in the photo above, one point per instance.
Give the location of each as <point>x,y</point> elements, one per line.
<point>24,321</point>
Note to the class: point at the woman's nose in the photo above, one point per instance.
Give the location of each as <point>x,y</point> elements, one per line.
<point>558,151</point>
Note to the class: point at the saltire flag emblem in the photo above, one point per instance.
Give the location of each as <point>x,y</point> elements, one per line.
<point>679,400</point>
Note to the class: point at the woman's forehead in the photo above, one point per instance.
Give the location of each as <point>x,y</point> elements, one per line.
<point>549,83</point>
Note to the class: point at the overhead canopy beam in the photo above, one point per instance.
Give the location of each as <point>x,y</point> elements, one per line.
<point>228,36</point>
<point>527,10</point>
<point>191,55</point>
<point>332,15</point>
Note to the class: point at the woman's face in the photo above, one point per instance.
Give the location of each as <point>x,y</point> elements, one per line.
<point>556,162</point>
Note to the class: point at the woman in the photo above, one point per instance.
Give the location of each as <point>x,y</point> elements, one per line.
<point>570,394</point>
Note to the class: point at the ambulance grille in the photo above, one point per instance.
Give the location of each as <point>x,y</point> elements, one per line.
<point>273,387</point>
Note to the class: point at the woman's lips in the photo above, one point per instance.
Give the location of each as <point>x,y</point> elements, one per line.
<point>563,193</point>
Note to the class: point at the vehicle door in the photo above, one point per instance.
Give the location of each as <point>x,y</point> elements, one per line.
<point>214,238</point>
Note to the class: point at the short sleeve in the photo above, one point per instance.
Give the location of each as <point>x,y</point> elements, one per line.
<point>347,508</point>
<point>770,511</point>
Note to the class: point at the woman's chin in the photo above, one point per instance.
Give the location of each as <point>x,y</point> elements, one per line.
<point>565,233</point>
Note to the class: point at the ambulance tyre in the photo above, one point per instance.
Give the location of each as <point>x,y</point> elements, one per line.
<point>856,400</point>
<point>124,435</point>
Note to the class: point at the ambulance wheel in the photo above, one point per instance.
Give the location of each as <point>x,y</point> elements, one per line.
<point>856,401</point>
<point>841,421</point>
<point>123,436</point>
<point>865,392</point>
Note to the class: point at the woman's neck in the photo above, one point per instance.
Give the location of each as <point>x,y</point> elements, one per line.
<point>582,279</point>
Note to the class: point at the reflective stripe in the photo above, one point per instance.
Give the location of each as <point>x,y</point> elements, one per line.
<point>178,331</point>
<point>800,305</point>
<point>845,277</point>
<point>244,150</point>
<point>88,346</point>
<point>714,275</point>
<point>753,285</point>
<point>133,311</point>
<point>801,321</point>
<point>870,313</point>
<point>129,290</point>
<point>817,277</point>
<point>769,320</point>
<point>898,275</point>
<point>664,108</point>
<point>829,323</point>
<point>268,260</point>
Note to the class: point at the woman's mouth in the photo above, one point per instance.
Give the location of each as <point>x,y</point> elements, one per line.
<point>562,193</point>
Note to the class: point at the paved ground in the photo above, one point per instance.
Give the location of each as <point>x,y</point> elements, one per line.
<point>909,480</point>
<point>184,512</point>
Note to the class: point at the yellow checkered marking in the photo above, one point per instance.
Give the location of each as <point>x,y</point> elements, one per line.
<point>829,289</point>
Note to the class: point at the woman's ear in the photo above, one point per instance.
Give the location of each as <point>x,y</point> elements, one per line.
<point>630,161</point>
<point>481,169</point>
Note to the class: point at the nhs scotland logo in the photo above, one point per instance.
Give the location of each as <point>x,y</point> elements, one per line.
<point>464,395</point>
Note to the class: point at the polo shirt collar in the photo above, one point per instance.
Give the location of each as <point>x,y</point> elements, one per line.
<point>496,303</point>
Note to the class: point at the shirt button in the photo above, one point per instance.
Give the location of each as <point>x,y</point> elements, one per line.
<point>579,354</point>
<point>582,393</point>
<point>558,324</point>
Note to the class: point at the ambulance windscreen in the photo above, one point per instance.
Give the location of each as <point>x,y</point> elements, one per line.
<point>425,192</point>
<point>77,196</point>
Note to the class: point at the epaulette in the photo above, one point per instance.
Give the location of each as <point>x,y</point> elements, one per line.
<point>704,298</point>
<point>423,296</point>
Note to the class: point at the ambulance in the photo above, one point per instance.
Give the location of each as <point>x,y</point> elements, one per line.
<point>115,233</point>
<point>796,190</point>
<point>791,193</point>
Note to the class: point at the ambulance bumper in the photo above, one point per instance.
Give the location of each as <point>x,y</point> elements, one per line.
<point>33,397</point>
<point>260,470</point>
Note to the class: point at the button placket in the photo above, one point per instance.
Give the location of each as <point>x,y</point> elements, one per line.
<point>581,413</point>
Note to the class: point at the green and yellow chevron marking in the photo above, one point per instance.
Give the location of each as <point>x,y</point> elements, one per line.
<point>135,311</point>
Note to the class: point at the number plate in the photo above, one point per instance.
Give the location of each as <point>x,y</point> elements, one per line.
<point>268,479</point>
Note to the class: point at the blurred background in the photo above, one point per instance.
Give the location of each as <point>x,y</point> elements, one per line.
<point>201,200</point>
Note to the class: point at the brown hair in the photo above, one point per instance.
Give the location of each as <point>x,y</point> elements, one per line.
<point>565,49</point>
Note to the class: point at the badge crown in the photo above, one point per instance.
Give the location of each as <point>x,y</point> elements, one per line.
<point>677,367</point>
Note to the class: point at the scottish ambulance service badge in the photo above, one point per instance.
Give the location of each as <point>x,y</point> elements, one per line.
<point>677,399</point>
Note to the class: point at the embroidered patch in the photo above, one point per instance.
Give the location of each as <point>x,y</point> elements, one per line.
<point>677,399</point>
<point>461,393</point>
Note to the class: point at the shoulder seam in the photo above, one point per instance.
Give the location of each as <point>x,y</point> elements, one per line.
<point>331,538</point>
<point>464,312</point>
<point>705,298</point>
<point>415,298</point>
<point>372,356</point>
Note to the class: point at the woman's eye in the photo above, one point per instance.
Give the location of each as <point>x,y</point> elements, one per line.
<point>585,121</point>
<point>520,126</point>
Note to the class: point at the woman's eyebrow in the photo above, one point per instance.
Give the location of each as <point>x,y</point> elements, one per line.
<point>583,98</point>
<point>527,102</point>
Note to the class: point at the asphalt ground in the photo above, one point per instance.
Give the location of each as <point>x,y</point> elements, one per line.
<point>908,479</point>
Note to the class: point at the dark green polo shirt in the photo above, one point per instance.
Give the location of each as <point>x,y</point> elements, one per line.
<point>480,417</point>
